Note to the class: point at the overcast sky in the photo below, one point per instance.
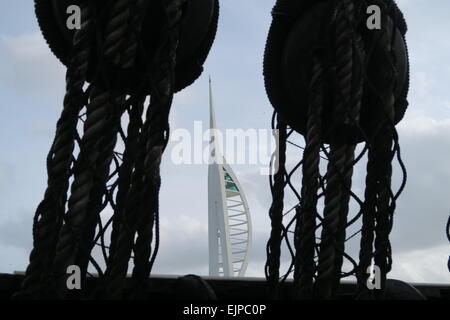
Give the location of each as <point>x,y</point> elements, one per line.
<point>32,89</point>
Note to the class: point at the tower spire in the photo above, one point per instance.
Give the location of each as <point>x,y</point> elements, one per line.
<point>229,222</point>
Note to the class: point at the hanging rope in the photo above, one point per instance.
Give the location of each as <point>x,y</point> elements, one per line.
<point>49,214</point>
<point>276,211</point>
<point>351,88</point>
<point>340,156</point>
<point>447,229</point>
<point>124,52</point>
<point>306,220</point>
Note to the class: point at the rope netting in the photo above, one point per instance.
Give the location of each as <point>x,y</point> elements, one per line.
<point>286,184</point>
<point>349,116</point>
<point>101,206</point>
<point>345,89</point>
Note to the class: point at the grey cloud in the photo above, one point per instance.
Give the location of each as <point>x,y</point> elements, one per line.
<point>16,232</point>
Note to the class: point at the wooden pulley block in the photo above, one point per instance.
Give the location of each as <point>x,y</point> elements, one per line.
<point>198,30</point>
<point>304,31</point>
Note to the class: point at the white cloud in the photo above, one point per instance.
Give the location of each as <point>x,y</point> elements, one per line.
<point>31,67</point>
<point>423,126</point>
<point>422,82</point>
<point>425,265</point>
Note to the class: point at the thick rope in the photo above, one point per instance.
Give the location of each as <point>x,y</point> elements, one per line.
<point>147,165</point>
<point>92,168</point>
<point>272,267</point>
<point>306,223</point>
<point>156,137</point>
<point>48,219</point>
<point>355,101</point>
<point>138,10</point>
<point>341,155</point>
<point>70,244</point>
<point>135,121</point>
<point>116,30</point>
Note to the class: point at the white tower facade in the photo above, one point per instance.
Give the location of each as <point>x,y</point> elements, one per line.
<point>229,222</point>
